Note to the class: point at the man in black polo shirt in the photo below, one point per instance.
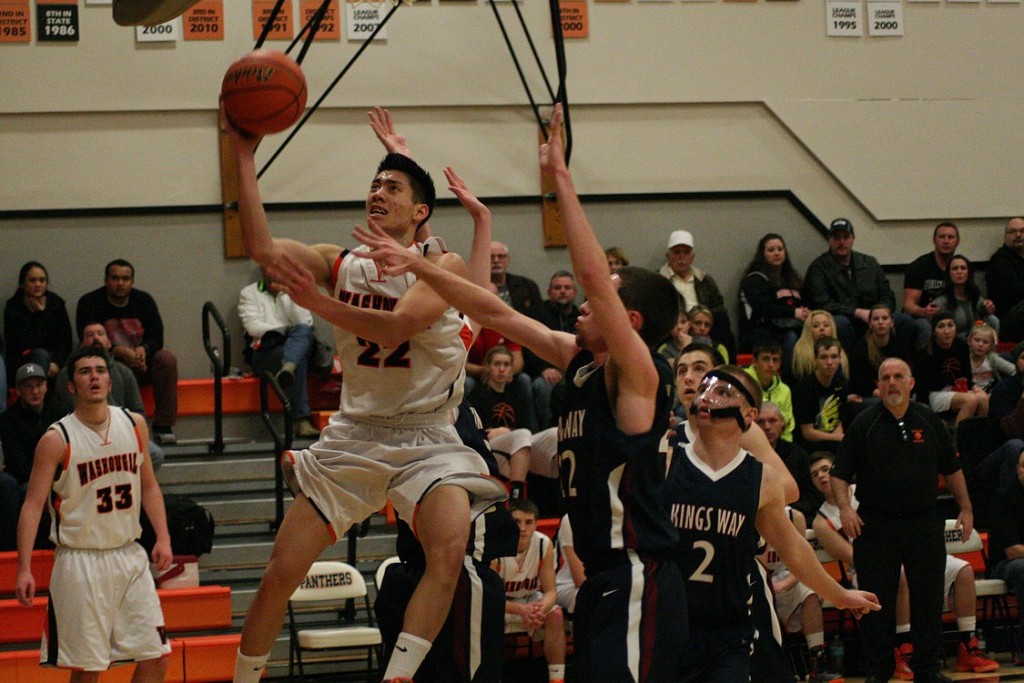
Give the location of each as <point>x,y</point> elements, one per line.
<point>895,450</point>
<point>1006,537</point>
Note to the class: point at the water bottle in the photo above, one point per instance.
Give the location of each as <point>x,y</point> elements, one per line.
<point>836,652</point>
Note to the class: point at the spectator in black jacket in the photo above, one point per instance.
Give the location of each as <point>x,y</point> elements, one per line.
<point>770,298</point>
<point>521,293</point>
<point>136,331</point>
<point>1005,279</point>
<point>557,312</point>
<point>36,324</point>
<point>847,283</point>
<point>26,421</point>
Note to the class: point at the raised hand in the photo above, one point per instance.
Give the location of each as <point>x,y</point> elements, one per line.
<point>552,152</point>
<point>384,128</point>
<point>390,256</point>
<point>469,201</point>
<point>295,280</point>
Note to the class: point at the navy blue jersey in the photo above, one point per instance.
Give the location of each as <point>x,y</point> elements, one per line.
<point>715,513</point>
<point>612,481</point>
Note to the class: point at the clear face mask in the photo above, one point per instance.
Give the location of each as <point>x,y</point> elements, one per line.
<point>724,396</point>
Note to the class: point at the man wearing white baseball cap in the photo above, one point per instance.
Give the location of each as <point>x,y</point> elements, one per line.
<point>696,287</point>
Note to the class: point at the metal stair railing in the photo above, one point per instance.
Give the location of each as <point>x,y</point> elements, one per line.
<point>220,359</point>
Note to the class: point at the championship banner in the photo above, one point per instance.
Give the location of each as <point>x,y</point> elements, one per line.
<point>15,21</point>
<point>330,25</point>
<point>284,24</point>
<point>57,21</point>
<point>204,21</point>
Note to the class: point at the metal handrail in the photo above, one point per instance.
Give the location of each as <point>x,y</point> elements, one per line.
<point>220,359</point>
<point>282,442</point>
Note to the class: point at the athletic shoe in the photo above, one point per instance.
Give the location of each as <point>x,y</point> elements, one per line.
<point>817,669</point>
<point>400,679</point>
<point>304,429</point>
<point>970,658</point>
<point>903,671</point>
<point>164,436</point>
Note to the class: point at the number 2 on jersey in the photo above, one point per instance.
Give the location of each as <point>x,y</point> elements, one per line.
<point>398,358</point>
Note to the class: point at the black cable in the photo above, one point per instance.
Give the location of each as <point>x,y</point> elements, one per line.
<point>533,48</point>
<point>563,97</point>
<point>270,22</point>
<point>327,92</point>
<point>519,69</point>
<point>312,26</point>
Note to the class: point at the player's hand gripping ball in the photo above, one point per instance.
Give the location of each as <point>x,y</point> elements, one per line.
<point>264,92</point>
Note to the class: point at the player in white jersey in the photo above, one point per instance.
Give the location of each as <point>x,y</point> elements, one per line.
<point>93,470</point>
<point>530,596</point>
<point>402,349</point>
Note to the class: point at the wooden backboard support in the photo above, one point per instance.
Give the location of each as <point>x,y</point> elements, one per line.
<point>554,232</point>
<point>229,198</point>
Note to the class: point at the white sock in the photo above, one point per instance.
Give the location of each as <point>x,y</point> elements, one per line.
<point>902,628</point>
<point>967,624</point>
<point>249,669</point>
<point>815,640</point>
<point>409,653</point>
<point>556,672</point>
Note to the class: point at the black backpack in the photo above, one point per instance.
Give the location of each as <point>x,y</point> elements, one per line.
<point>189,524</point>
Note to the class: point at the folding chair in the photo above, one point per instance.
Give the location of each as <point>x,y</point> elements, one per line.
<point>993,593</point>
<point>382,569</point>
<point>332,582</point>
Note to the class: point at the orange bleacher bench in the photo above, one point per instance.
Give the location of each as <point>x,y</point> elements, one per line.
<point>195,396</point>
<point>42,565</point>
<point>22,666</point>
<point>185,609</point>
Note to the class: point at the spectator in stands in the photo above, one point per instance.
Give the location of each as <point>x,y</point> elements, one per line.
<point>505,410</point>
<point>696,287</point>
<point>962,297</point>
<point>1005,279</point>
<point>1006,541</point>
<point>24,423</point>
<point>617,259</point>
<point>817,325</point>
<point>770,298</point>
<point>571,573</point>
<point>799,608</point>
<point>136,331</point>
<point>124,388</point>
<point>1004,428</point>
<point>958,581</point>
<point>280,334</point>
<point>36,324</point>
<point>678,339</point>
<point>847,283</point>
<point>702,325</point>
<point>772,422</point>
<point>765,369</point>
<point>944,373</point>
<point>557,312</point>
<point>3,379</point>
<point>521,293</point>
<point>529,579</point>
<point>987,366</point>
<point>924,279</point>
<point>10,504</point>
<point>819,400</point>
<point>881,341</point>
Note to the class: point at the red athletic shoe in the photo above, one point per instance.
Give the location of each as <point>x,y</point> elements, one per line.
<point>400,679</point>
<point>970,658</point>
<point>903,671</point>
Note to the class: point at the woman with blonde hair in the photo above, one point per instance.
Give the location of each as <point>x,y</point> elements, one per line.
<point>819,323</point>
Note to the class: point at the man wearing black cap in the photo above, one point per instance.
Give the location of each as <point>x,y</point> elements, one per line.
<point>847,283</point>
<point>24,423</point>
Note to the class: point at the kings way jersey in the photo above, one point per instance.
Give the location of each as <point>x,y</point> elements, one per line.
<point>96,498</point>
<point>423,374</point>
<point>521,574</point>
<point>715,513</point>
<point>612,481</point>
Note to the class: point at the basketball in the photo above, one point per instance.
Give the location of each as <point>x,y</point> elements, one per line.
<point>264,92</point>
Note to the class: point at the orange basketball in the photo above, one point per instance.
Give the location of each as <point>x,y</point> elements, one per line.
<point>264,92</point>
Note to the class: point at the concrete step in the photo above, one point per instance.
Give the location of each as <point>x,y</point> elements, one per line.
<point>248,553</point>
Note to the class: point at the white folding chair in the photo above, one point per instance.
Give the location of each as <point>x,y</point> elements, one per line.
<point>331,582</point>
<point>379,576</point>
<point>993,593</point>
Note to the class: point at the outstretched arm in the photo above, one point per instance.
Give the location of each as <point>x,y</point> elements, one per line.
<point>384,128</point>
<point>259,245</point>
<point>479,265</point>
<point>630,365</point>
<point>755,441</point>
<point>486,308</point>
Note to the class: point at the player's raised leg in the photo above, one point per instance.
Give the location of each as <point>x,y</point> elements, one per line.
<point>303,536</point>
